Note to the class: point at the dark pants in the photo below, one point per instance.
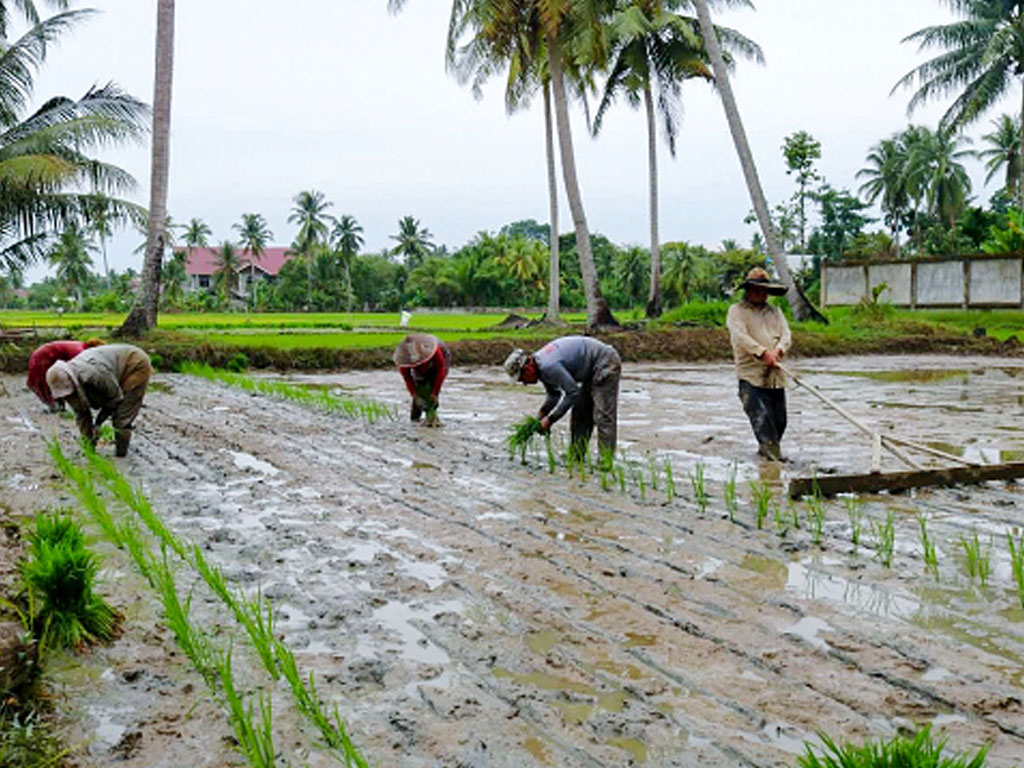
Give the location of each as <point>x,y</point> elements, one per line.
<point>598,404</point>
<point>125,412</point>
<point>766,409</point>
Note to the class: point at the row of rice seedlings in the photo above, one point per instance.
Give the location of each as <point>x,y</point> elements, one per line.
<point>928,551</point>
<point>976,559</point>
<point>363,408</point>
<point>255,615</point>
<point>917,749</point>
<point>1017,563</point>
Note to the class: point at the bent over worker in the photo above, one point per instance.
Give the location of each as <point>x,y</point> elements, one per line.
<point>581,374</point>
<point>760,338</point>
<point>424,361</point>
<point>112,378</point>
<point>45,356</point>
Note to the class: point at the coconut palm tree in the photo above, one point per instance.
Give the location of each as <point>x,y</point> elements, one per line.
<point>71,256</point>
<point>569,37</point>
<point>310,213</point>
<point>347,238</point>
<point>225,277</point>
<point>1003,152</point>
<point>934,166</point>
<point>653,51</point>
<point>414,242</point>
<point>885,178</point>
<point>196,235</point>
<point>143,315</point>
<point>253,235</point>
<point>982,60</point>
<point>802,308</point>
<point>45,156</point>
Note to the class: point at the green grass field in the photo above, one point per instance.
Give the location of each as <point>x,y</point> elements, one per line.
<point>453,321</point>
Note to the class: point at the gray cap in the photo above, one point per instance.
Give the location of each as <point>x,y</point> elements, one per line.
<point>60,379</point>
<point>515,361</point>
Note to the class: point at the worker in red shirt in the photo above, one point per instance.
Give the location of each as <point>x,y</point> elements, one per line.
<point>45,356</point>
<point>423,360</point>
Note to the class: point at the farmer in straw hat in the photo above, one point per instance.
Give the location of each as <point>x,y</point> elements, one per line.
<point>424,361</point>
<point>112,378</point>
<point>45,356</point>
<point>578,373</point>
<point>760,338</point>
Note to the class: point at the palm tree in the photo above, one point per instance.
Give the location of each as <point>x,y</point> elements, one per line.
<point>802,308</point>
<point>196,235</point>
<point>886,181</point>
<point>347,237</point>
<point>982,61</point>
<point>570,36</point>
<point>310,213</point>
<point>225,278</point>
<point>70,255</point>
<point>144,313</point>
<point>98,216</point>
<point>253,235</point>
<point>413,242</point>
<point>653,51</point>
<point>174,276</point>
<point>934,167</point>
<point>45,158</point>
<point>1004,152</point>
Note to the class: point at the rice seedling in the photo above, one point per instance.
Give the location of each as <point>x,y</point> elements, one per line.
<point>917,750</point>
<point>885,538</point>
<point>781,525</point>
<point>761,494</point>
<point>794,513</point>
<point>363,408</point>
<point>855,513</point>
<point>816,517</point>
<point>59,574</point>
<point>976,559</point>
<point>670,481</point>
<point>928,552</point>
<point>552,461</point>
<point>255,741</point>
<point>28,739</point>
<point>1017,563</point>
<point>729,492</point>
<point>105,433</point>
<point>700,493</point>
<point>655,472</point>
<point>520,435</point>
<point>620,473</point>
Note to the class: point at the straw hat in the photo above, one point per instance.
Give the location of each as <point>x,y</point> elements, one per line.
<point>515,361</point>
<point>758,278</point>
<point>414,349</point>
<point>60,379</point>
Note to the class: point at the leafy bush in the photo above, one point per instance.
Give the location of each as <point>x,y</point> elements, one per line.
<point>59,575</point>
<point>238,363</point>
<point>28,740</point>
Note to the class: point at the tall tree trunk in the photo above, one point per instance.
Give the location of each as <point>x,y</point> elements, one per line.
<point>654,297</point>
<point>143,315</point>
<point>598,313</point>
<point>252,281</point>
<point>554,273</point>
<point>802,308</point>
<point>106,269</point>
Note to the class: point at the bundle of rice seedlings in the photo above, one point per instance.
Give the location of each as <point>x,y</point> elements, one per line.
<point>520,434</point>
<point>59,575</point>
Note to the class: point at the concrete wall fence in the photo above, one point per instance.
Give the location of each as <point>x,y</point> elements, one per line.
<point>965,281</point>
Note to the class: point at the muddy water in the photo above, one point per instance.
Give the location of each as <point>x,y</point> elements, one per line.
<point>463,609</point>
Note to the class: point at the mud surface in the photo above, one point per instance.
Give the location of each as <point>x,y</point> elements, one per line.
<point>465,610</point>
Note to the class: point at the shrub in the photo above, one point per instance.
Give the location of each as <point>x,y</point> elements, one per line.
<point>238,363</point>
<point>919,751</point>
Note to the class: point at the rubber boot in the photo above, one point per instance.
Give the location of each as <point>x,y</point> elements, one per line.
<point>121,439</point>
<point>770,451</point>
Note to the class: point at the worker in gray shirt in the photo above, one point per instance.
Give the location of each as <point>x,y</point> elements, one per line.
<point>581,374</point>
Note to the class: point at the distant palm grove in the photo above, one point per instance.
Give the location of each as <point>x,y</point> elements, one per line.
<point>60,203</point>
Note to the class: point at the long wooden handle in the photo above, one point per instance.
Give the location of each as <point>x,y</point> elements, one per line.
<point>850,417</point>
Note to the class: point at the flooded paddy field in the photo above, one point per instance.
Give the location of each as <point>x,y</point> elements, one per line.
<point>464,609</point>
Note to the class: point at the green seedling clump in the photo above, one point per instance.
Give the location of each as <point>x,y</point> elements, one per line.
<point>700,492</point>
<point>816,516</point>
<point>729,492</point>
<point>976,559</point>
<point>885,539</point>
<point>519,436</point>
<point>761,493</point>
<point>855,511</point>
<point>59,577</point>
<point>1017,563</point>
<point>928,552</point>
<point>917,751</point>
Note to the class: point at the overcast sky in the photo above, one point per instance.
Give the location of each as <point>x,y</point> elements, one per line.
<point>340,96</point>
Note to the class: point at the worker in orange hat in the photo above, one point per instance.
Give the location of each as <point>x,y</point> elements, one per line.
<point>424,361</point>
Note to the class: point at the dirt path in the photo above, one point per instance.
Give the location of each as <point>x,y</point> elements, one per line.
<point>465,610</point>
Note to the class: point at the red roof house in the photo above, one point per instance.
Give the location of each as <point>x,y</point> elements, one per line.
<point>201,265</point>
